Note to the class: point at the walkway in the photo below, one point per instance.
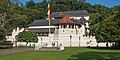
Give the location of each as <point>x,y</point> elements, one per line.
<point>11,51</point>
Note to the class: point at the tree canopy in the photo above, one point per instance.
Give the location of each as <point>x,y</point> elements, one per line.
<point>27,36</point>
<point>105,26</point>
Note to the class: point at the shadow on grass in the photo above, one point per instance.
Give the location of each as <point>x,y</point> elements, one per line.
<point>102,48</point>
<point>95,56</point>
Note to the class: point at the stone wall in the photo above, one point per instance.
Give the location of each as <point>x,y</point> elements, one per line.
<point>88,41</point>
<point>67,41</point>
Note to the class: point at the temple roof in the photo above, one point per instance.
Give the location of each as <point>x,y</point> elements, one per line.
<point>65,20</point>
<point>71,13</point>
<point>44,22</point>
<point>41,22</point>
<point>42,30</point>
<point>82,21</point>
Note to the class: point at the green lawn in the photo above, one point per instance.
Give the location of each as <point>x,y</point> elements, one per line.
<point>68,54</point>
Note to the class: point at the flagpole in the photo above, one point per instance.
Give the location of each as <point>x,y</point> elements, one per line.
<point>49,21</point>
<point>49,32</point>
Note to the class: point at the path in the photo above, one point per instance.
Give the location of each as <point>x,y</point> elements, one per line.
<point>11,51</point>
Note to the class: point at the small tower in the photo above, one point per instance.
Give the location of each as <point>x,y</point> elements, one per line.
<point>65,26</point>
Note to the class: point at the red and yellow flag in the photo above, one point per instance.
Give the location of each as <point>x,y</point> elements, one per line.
<point>48,12</point>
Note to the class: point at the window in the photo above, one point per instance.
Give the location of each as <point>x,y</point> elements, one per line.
<point>72,26</point>
<point>57,26</point>
<point>79,26</point>
<point>69,26</point>
<point>64,26</point>
<point>63,30</point>
<point>79,38</point>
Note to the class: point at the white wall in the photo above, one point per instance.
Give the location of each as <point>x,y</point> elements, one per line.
<point>78,18</point>
<point>15,32</point>
<point>103,44</point>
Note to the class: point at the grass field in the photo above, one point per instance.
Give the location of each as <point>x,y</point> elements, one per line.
<point>67,54</point>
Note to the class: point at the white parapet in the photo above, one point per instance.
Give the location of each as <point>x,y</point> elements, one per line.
<point>41,27</point>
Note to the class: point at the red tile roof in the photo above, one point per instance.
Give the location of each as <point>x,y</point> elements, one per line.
<point>65,20</point>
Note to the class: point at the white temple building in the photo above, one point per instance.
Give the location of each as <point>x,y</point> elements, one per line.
<point>68,28</point>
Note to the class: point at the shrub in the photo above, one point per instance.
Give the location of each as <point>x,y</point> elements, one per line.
<point>6,44</point>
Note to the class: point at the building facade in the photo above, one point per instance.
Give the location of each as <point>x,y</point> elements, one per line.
<point>68,28</point>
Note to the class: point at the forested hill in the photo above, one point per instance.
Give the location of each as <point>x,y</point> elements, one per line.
<point>14,14</point>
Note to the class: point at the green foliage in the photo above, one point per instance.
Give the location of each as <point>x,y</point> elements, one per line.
<point>2,35</point>
<point>30,4</point>
<point>6,44</point>
<point>66,5</point>
<point>27,36</point>
<point>16,2</point>
<point>105,26</point>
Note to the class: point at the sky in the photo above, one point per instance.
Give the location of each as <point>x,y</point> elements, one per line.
<point>108,3</point>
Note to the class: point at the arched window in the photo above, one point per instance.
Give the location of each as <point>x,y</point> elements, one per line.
<point>63,30</point>
<point>79,26</point>
<point>57,26</point>
<point>64,26</point>
<point>69,26</point>
<point>72,26</point>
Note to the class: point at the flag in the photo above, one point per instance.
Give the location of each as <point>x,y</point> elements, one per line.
<point>48,13</point>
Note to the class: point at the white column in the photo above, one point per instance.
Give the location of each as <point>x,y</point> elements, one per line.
<point>67,26</point>
<point>83,30</point>
<point>74,26</point>
<point>77,26</point>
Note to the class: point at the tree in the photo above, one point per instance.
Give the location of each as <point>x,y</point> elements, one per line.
<point>7,11</point>
<point>11,15</point>
<point>27,36</point>
<point>106,26</point>
<point>115,29</point>
<point>94,23</point>
<point>16,2</point>
<point>30,4</point>
<point>2,35</point>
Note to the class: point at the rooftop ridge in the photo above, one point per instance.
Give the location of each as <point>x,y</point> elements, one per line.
<point>65,20</point>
